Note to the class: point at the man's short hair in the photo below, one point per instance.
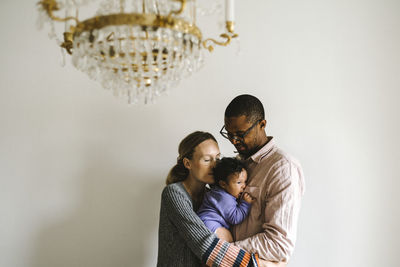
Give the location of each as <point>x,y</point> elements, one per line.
<point>247,105</point>
<point>226,167</point>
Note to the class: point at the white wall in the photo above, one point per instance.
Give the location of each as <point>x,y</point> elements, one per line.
<point>81,172</point>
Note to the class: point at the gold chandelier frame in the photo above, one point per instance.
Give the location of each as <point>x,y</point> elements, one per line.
<point>140,19</point>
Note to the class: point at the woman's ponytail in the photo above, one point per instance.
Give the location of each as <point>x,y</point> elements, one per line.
<point>178,173</point>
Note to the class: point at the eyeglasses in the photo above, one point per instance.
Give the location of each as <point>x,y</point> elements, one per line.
<point>237,137</point>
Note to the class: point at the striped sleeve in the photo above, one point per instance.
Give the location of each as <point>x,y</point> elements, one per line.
<point>223,254</point>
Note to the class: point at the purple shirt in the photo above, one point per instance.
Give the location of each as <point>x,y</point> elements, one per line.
<point>221,209</point>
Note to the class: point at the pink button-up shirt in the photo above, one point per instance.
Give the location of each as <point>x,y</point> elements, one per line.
<point>276,180</point>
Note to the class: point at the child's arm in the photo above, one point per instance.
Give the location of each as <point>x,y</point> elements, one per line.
<point>236,213</point>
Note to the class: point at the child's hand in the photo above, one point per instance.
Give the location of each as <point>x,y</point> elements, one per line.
<point>248,198</point>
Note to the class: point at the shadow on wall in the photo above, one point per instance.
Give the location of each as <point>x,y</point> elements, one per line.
<point>115,223</point>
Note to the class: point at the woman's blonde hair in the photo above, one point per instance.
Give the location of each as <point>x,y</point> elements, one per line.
<point>186,149</point>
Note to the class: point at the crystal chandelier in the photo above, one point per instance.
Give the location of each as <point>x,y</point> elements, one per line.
<point>136,48</point>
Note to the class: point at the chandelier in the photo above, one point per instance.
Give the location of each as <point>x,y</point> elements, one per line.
<point>136,48</point>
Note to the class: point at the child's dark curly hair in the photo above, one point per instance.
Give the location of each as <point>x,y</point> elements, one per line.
<point>226,167</point>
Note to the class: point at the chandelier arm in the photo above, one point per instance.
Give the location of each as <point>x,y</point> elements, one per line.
<point>62,19</point>
<point>178,12</point>
<point>49,6</point>
<point>228,40</point>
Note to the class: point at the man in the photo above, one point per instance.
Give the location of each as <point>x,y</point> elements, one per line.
<point>274,178</point>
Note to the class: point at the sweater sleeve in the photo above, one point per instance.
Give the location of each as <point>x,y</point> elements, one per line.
<point>204,244</point>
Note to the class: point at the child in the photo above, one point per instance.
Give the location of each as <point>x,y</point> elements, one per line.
<point>222,206</point>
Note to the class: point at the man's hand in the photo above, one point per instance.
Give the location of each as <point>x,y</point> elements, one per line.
<point>248,198</point>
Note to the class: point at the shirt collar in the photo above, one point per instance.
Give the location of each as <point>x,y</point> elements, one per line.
<point>264,151</point>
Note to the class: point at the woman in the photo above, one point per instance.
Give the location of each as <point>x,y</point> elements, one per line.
<point>184,240</point>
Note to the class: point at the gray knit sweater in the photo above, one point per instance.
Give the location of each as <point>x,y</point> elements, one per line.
<point>183,238</point>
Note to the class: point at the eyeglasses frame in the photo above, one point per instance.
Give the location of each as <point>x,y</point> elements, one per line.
<point>237,137</point>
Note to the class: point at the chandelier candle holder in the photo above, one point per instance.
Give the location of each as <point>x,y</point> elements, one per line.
<point>136,48</point>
